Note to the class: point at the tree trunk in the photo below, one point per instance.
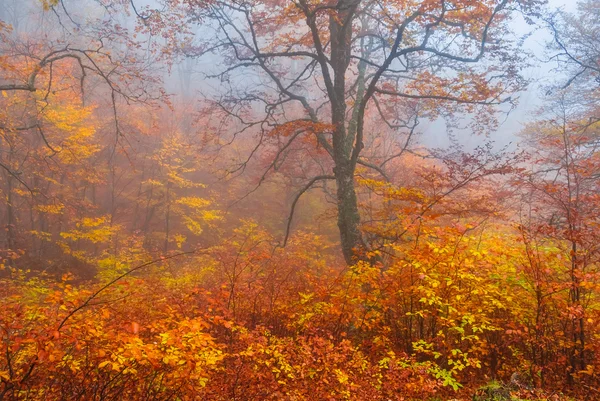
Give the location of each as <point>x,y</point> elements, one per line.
<point>348,216</point>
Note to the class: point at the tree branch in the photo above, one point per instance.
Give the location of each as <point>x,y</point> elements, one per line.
<point>297,198</point>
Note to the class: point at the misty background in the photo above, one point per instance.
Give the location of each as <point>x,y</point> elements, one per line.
<point>186,79</point>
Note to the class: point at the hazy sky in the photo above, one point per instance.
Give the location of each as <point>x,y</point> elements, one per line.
<point>529,101</point>
<point>434,134</point>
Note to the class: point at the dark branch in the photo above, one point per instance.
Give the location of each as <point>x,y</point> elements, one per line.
<point>297,198</point>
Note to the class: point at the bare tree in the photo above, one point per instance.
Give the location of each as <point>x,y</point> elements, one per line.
<point>338,71</point>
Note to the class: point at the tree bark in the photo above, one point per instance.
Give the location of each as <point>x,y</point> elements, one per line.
<point>348,216</point>
<point>340,28</point>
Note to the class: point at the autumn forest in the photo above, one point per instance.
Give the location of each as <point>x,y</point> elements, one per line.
<point>251,200</point>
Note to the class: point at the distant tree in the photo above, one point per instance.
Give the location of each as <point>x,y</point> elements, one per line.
<point>52,79</point>
<point>563,198</point>
<point>576,46</point>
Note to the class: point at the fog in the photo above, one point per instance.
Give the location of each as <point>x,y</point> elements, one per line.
<point>150,76</point>
<point>186,78</point>
<point>243,200</point>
